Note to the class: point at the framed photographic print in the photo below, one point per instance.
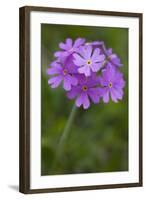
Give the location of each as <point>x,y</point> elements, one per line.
<point>80,99</point>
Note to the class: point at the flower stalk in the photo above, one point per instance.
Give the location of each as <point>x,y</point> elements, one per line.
<point>64,135</point>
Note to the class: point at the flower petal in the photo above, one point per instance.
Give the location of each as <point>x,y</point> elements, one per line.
<point>109,73</point>
<point>84,70</point>
<point>58,54</point>
<point>79,61</point>
<point>88,52</point>
<point>78,42</point>
<point>119,82</point>
<point>83,100</point>
<point>54,70</point>
<point>69,43</point>
<point>95,53</point>
<point>63,46</point>
<point>109,51</point>
<point>73,92</point>
<point>94,94</point>
<point>61,54</point>
<point>79,100</point>
<point>73,80</point>
<point>96,67</point>
<point>113,96</point>
<point>93,80</point>
<point>83,51</point>
<point>55,81</point>
<point>115,60</point>
<point>67,82</point>
<point>116,94</point>
<point>96,57</point>
<point>100,58</point>
<point>106,96</point>
<point>86,102</point>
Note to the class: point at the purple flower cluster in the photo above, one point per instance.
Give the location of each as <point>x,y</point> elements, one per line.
<point>88,71</point>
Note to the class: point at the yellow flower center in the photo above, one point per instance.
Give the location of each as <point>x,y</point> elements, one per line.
<point>64,72</point>
<point>110,85</point>
<point>89,62</point>
<point>84,88</point>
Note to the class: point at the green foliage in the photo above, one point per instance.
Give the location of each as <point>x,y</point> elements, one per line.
<point>98,138</point>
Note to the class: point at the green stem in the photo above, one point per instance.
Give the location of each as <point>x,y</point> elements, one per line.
<point>64,135</point>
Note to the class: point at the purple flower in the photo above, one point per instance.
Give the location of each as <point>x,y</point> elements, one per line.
<point>110,56</point>
<point>85,90</point>
<point>112,83</point>
<point>76,67</point>
<point>88,60</point>
<point>63,72</point>
<point>69,47</point>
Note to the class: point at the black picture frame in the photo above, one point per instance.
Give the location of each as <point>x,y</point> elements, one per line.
<point>24,143</point>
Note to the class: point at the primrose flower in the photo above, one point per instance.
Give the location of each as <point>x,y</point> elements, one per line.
<point>89,72</point>
<point>88,60</point>
<point>63,72</point>
<point>110,56</point>
<point>112,83</point>
<point>85,91</point>
<point>69,47</point>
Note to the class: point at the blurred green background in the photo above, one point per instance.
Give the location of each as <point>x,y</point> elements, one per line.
<point>98,138</point>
